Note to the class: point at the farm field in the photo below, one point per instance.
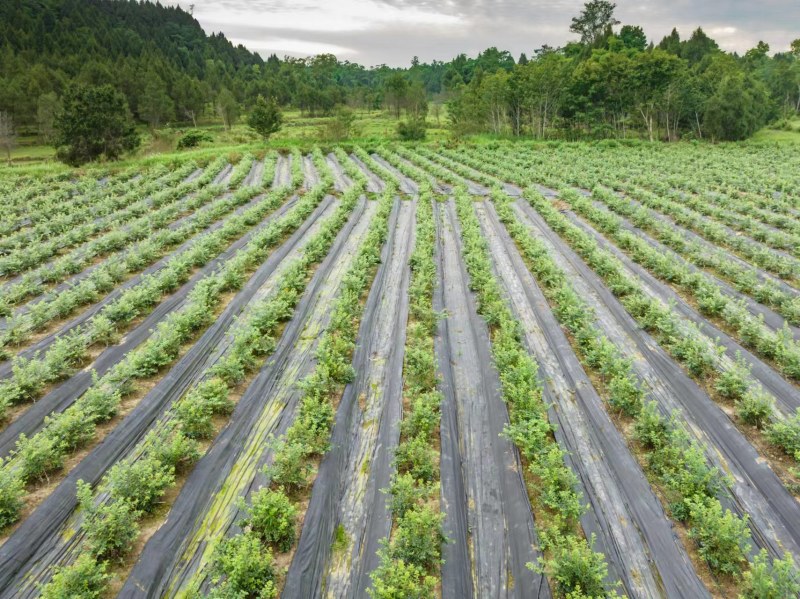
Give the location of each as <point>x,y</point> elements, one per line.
<point>490,370</point>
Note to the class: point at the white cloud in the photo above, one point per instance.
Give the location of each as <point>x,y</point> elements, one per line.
<point>343,15</point>
<point>293,47</point>
<point>392,31</point>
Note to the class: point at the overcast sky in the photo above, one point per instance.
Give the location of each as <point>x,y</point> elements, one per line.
<point>373,32</point>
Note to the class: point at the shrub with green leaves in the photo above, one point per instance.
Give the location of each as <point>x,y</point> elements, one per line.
<point>272,517</point>
<point>734,382</point>
<point>721,536</point>
<point>755,407</point>
<point>193,138</point>
<point>11,491</point>
<point>423,418</point>
<point>576,568</point>
<point>786,435</point>
<point>405,494</point>
<point>415,456</point>
<point>770,579</point>
<point>419,537</point>
<point>84,579</point>
<point>289,469</point>
<point>201,404</point>
<point>395,579</point>
<point>110,527</point>
<point>243,567</point>
<point>141,482</point>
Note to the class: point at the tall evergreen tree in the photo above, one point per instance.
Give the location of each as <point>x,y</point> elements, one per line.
<point>94,122</point>
<point>266,117</point>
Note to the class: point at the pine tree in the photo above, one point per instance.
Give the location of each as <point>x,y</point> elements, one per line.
<point>266,117</point>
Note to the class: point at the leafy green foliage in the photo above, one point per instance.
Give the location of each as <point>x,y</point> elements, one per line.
<point>722,538</point>
<point>786,435</point>
<point>193,138</point>
<point>418,540</point>
<point>272,517</point>
<point>395,579</point>
<point>110,527</point>
<point>242,566</point>
<point>755,407</point>
<point>405,493</point>
<point>771,579</point>
<point>11,492</point>
<point>94,122</point>
<point>576,568</point>
<point>265,118</point>
<point>84,579</point>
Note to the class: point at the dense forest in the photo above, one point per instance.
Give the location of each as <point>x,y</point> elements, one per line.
<point>612,82</point>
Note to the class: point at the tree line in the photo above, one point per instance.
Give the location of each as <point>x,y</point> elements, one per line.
<point>611,82</point>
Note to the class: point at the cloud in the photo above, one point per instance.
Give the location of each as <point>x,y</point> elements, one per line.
<point>392,31</point>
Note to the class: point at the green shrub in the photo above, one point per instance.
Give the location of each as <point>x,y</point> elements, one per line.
<point>755,407</point>
<point>418,539</point>
<point>420,367</point>
<point>71,427</point>
<point>405,494</point>
<point>313,424</point>
<point>681,465</point>
<point>777,580</point>
<point>395,579</point>
<point>100,404</point>
<point>84,579</point>
<point>141,482</point>
<point>289,468</point>
<point>576,567</point>
<point>557,483</point>
<point>415,456</point>
<point>786,435</point>
<point>193,138</point>
<point>196,410</point>
<point>694,355</point>
<point>272,518</point>
<point>110,528</point>
<point>650,428</point>
<point>733,383</point>
<point>412,130</point>
<point>243,567</point>
<point>423,418</point>
<point>722,537</point>
<point>12,490</point>
<point>176,452</point>
<point>625,394</point>
<point>39,455</point>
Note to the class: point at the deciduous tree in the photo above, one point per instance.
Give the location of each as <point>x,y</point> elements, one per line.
<point>594,21</point>
<point>8,135</point>
<point>227,108</point>
<point>46,110</point>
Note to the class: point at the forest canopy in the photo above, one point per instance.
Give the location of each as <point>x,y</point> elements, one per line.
<point>611,82</point>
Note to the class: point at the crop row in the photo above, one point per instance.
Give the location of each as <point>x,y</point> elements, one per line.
<point>70,350</point>
<point>44,452</point>
<point>72,220</point>
<point>755,406</point>
<point>36,281</point>
<point>23,258</point>
<point>307,437</point>
<point>29,202</point>
<point>409,561</point>
<point>132,488</point>
<point>570,563</point>
<point>115,270</point>
<point>689,485</point>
